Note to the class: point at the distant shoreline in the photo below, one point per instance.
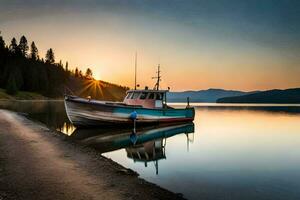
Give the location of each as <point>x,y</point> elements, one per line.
<point>209,104</point>
<point>275,96</point>
<point>201,104</point>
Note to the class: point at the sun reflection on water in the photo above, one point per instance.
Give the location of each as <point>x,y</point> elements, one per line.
<point>67,129</point>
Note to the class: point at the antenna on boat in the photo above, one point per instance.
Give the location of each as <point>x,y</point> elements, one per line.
<point>135,67</point>
<point>157,77</point>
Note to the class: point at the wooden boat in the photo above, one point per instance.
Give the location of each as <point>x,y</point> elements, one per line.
<point>144,106</point>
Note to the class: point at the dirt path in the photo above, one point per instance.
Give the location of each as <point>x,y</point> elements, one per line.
<point>36,163</point>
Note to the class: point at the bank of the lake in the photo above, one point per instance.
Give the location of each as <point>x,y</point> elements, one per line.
<point>36,163</point>
<point>21,95</point>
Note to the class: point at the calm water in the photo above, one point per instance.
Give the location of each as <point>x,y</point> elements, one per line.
<point>230,152</point>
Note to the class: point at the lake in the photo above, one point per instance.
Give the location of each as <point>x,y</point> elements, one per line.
<point>231,151</point>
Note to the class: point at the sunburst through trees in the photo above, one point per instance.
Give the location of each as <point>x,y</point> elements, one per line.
<point>92,87</point>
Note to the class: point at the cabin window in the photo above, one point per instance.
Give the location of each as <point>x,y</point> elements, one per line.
<point>158,96</point>
<point>135,95</point>
<point>128,95</point>
<point>143,95</point>
<point>151,96</point>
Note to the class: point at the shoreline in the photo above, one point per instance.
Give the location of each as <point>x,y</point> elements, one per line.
<point>37,163</point>
<point>200,104</point>
<point>16,100</point>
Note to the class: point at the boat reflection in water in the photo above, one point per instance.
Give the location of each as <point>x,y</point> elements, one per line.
<point>147,145</point>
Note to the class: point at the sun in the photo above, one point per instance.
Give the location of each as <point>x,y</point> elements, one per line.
<point>93,88</point>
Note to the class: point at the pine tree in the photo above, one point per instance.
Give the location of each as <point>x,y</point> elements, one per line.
<point>2,42</point>
<point>18,76</point>
<point>11,87</point>
<point>67,66</point>
<point>50,56</point>
<point>88,73</point>
<point>23,45</point>
<point>13,47</point>
<point>76,72</point>
<point>34,52</point>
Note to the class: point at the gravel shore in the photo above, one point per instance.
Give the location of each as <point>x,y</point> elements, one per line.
<point>36,163</point>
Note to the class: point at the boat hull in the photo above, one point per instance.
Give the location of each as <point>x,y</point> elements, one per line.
<point>84,113</point>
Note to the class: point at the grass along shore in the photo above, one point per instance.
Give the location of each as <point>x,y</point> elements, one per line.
<point>21,95</point>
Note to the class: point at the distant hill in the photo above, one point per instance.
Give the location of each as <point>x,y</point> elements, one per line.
<point>270,96</point>
<point>210,95</point>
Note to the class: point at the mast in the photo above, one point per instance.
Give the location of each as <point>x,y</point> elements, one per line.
<point>157,77</point>
<point>135,67</point>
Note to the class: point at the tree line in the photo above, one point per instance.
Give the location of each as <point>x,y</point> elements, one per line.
<point>22,68</point>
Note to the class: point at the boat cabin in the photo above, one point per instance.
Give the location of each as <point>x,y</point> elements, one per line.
<point>146,98</point>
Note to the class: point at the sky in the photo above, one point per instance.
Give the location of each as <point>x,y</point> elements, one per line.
<point>199,44</point>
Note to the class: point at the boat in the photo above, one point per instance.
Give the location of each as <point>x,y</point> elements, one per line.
<point>143,106</point>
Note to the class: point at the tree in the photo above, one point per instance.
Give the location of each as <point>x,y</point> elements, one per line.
<point>23,45</point>
<point>89,73</point>
<point>34,52</point>
<point>50,56</point>
<point>67,66</point>
<point>13,47</point>
<point>76,72</point>
<point>80,74</point>
<point>11,87</point>
<point>2,42</point>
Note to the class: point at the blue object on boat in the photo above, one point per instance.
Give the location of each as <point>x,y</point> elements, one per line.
<point>133,115</point>
<point>133,138</point>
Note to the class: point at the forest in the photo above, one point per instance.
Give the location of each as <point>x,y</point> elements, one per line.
<point>23,69</point>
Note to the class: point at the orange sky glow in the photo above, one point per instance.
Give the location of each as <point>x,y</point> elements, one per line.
<point>192,56</point>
